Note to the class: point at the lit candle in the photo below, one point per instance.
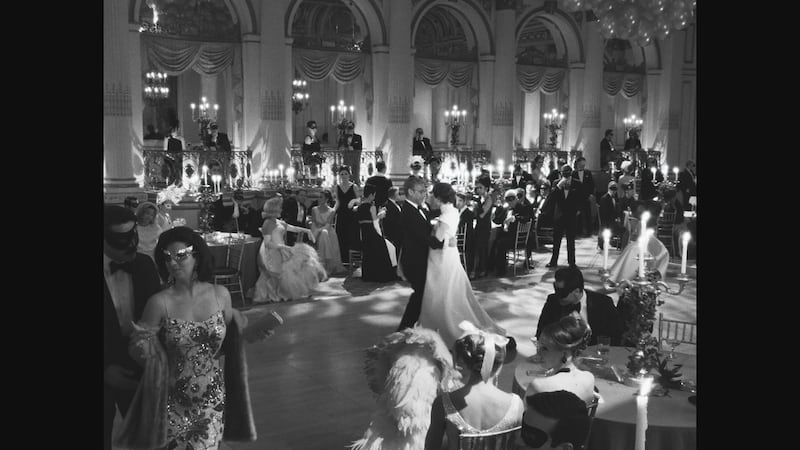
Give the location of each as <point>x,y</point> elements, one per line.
<point>230,180</point>
<point>653,170</point>
<point>205,175</point>
<point>675,171</point>
<point>643,242</point>
<point>606,241</point>
<point>490,171</point>
<point>686,237</point>
<point>280,170</point>
<point>641,411</point>
<point>500,168</point>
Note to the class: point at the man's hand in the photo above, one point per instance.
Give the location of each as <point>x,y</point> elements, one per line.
<point>452,242</point>
<point>119,377</point>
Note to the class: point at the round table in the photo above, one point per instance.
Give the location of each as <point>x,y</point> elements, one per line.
<point>672,420</point>
<point>218,244</point>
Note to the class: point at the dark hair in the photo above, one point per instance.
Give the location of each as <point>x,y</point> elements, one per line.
<point>462,196</point>
<point>517,167</point>
<point>609,131</point>
<point>571,333</point>
<point>344,168</point>
<point>369,189</point>
<point>411,182</point>
<point>380,166</point>
<point>214,126</point>
<point>131,201</point>
<point>570,412</point>
<point>328,196</point>
<point>213,163</point>
<point>485,181</point>
<point>444,192</point>
<point>310,123</point>
<point>204,266</point>
<point>471,350</point>
<point>116,215</point>
<point>392,190</point>
<point>435,159</point>
<point>572,277</point>
<point>579,159</point>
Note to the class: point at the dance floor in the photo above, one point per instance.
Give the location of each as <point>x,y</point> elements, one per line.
<point>307,384</point>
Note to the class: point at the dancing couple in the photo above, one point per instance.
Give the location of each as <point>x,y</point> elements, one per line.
<point>429,259</point>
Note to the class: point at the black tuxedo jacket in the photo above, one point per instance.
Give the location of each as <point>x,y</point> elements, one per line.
<point>356,143</point>
<point>222,144</point>
<point>525,179</point>
<point>382,185</point>
<point>416,240</point>
<point>521,212</point>
<point>608,211</point>
<point>145,284</point>
<point>587,187</point>
<point>686,185</point>
<point>392,224</point>
<point>648,189</point>
<point>467,220</point>
<point>290,210</point>
<point>423,148</point>
<point>565,209</point>
<point>607,153</point>
<point>602,314</point>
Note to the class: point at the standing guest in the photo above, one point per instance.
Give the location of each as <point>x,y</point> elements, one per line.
<point>286,273</point>
<point>379,262</point>
<point>294,213</point>
<point>510,217</point>
<point>479,406</point>
<point>147,230</point>
<point>537,173</point>
<point>435,166</point>
<point>164,219</point>
<point>421,146</point>
<point>173,146</point>
<point>382,184</point>
<point>219,140</point>
<point>311,148</point>
<point>628,174</point>
<point>555,173</point>
<point>687,182</point>
<point>392,223</point>
<point>346,225</point>
<point>483,227</point>
<point>352,145</point>
<point>596,309</point>
<point>129,279</point>
<point>182,330</point>
<point>520,178</point>
<point>612,216</point>
<point>608,153</point>
<point>649,189</point>
<point>565,200</point>
<point>585,184</point>
<point>467,223</point>
<point>327,242</point>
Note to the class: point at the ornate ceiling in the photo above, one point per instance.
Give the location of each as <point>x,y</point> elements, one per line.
<point>328,25</point>
<point>440,35</point>
<point>620,56</point>
<point>209,20</point>
<point>537,46</point>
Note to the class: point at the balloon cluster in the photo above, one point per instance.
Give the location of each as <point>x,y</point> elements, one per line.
<point>637,20</point>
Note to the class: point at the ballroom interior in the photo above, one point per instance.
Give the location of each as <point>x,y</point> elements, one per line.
<point>493,83</point>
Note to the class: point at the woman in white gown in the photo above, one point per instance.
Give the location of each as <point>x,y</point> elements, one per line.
<point>626,267</point>
<point>448,298</point>
<point>327,240</point>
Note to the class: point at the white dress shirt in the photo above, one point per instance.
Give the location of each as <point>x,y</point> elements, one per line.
<point>120,285</point>
<point>300,212</point>
<point>417,208</point>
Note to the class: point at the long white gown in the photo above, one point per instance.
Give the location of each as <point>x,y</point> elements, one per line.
<point>448,298</point>
<point>627,265</point>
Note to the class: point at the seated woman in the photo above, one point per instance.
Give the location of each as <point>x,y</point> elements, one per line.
<point>479,406</point>
<point>327,241</point>
<point>147,228</point>
<point>379,262</point>
<point>559,344</point>
<point>626,267</point>
<point>286,273</point>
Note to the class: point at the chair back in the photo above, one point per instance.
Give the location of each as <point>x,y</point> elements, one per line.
<point>499,440</point>
<point>235,252</point>
<point>521,241</point>
<point>676,330</point>
<point>592,410</point>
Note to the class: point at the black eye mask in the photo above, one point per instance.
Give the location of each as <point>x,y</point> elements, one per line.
<point>123,241</point>
<point>533,437</point>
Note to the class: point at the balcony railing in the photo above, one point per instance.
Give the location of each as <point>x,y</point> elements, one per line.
<point>160,165</point>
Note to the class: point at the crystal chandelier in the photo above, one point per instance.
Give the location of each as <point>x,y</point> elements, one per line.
<point>637,20</point>
<point>299,94</point>
<point>155,89</point>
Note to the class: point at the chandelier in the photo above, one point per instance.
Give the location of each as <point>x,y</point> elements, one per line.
<point>632,124</point>
<point>202,115</point>
<point>155,89</point>
<point>637,20</point>
<point>299,94</point>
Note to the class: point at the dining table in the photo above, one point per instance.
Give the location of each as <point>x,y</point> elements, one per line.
<point>671,415</point>
<point>218,247</point>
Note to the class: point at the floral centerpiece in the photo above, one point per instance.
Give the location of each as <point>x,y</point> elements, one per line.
<point>205,198</point>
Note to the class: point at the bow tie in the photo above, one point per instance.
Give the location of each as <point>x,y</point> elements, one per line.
<point>126,266</point>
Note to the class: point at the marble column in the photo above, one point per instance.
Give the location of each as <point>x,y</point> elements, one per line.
<point>573,137</point>
<point>380,105</point>
<point>118,133</point>
<point>400,87</point>
<point>137,101</point>
<point>591,133</point>
<point>251,103</point>
<point>669,105</point>
<point>485,130</point>
<point>505,83</point>
<point>650,123</point>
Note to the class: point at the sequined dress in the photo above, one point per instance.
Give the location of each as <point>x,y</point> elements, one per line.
<point>457,424</point>
<point>196,398</point>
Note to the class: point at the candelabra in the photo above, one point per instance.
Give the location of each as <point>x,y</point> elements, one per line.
<point>206,197</point>
<point>299,94</point>
<point>553,121</point>
<point>202,115</point>
<point>454,120</point>
<point>343,117</point>
<point>632,125</point>
<point>155,90</point>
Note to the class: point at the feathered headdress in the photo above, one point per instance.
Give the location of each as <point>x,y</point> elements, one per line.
<point>407,370</point>
<point>172,193</point>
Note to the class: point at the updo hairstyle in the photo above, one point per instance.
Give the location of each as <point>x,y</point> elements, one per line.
<point>444,192</point>
<point>471,349</point>
<point>571,333</point>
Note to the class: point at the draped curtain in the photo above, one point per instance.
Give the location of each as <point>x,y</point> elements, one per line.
<point>175,56</point>
<point>533,78</point>
<point>318,65</point>
<point>629,83</point>
<point>433,72</point>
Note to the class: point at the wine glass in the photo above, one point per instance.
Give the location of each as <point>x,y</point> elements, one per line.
<point>673,342</point>
<point>603,347</point>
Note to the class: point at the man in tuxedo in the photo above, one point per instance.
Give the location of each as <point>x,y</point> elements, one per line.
<point>585,184</point>
<point>466,222</point>
<point>510,217</point>
<point>612,216</point>
<point>483,226</point>
<point>597,310</point>
<point>687,182</point>
<point>649,180</point>
<point>555,172</point>
<point>129,280</point>
<point>219,140</point>
<point>520,178</point>
<point>417,240</point>
<point>381,183</point>
<point>392,223</point>
<point>421,146</point>
<point>607,151</point>
<point>295,213</point>
<point>565,200</point>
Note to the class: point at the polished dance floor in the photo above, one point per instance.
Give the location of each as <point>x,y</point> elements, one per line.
<point>307,385</point>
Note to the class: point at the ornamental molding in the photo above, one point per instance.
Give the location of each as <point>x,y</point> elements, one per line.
<point>399,110</point>
<point>273,105</point>
<point>117,100</point>
<point>503,114</point>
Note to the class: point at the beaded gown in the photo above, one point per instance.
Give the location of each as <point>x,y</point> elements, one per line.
<point>457,425</point>
<point>196,396</point>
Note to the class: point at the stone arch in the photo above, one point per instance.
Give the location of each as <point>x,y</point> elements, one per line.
<point>471,17</point>
<point>241,10</point>
<point>367,10</point>
<point>570,37</point>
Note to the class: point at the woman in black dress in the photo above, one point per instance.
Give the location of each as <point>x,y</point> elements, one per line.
<point>173,145</point>
<point>346,226</point>
<point>377,265</point>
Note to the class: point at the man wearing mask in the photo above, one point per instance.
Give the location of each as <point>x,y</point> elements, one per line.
<point>585,184</point>
<point>129,279</point>
<point>520,178</point>
<point>421,146</point>
<point>219,140</point>
<point>565,199</point>
<point>608,153</point>
<point>466,222</point>
<point>612,215</point>
<point>597,310</point>
<point>510,217</point>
